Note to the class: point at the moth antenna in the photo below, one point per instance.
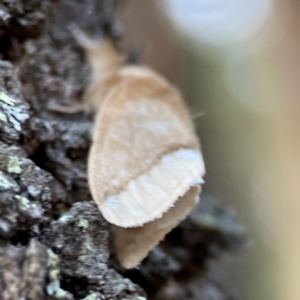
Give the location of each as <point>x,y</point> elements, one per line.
<point>197,115</point>
<point>103,57</point>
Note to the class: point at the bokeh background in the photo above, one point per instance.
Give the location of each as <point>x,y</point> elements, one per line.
<point>237,64</point>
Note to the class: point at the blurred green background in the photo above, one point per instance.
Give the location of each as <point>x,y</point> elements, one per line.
<point>237,64</point>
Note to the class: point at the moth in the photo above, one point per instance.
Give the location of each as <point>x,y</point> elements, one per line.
<point>145,165</point>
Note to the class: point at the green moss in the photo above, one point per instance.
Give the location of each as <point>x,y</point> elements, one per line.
<point>8,100</point>
<point>83,223</point>
<point>53,274</point>
<point>24,201</point>
<point>65,218</point>
<point>13,165</point>
<point>88,243</point>
<point>208,221</point>
<point>60,293</point>
<point>52,287</point>
<point>3,117</point>
<point>91,297</point>
<point>52,259</point>
<point>6,183</point>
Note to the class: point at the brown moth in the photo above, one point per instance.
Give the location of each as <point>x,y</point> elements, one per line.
<point>145,165</point>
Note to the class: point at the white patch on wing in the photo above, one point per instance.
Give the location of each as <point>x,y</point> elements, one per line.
<point>133,244</point>
<point>154,192</point>
<point>143,110</point>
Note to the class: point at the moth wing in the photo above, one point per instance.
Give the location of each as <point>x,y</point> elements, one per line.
<point>145,153</point>
<point>133,244</point>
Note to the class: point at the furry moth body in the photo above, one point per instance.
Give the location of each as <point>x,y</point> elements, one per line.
<point>145,166</point>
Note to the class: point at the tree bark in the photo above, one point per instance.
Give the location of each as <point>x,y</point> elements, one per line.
<point>54,243</point>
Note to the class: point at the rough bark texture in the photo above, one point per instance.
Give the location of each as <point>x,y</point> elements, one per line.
<point>54,243</point>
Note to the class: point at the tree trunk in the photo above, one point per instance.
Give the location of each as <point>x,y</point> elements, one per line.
<point>54,243</point>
